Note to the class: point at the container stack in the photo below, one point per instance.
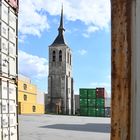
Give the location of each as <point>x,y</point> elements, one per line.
<point>8,70</point>
<point>83,102</point>
<point>92,102</point>
<point>100,102</point>
<point>107,107</point>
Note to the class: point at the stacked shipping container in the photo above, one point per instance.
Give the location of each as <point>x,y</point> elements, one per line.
<point>92,102</point>
<point>107,107</point>
<point>83,102</point>
<point>100,102</point>
<point>8,70</point>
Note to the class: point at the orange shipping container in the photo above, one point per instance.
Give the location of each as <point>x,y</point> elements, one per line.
<point>13,3</point>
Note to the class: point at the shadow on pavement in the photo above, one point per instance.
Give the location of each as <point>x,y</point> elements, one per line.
<point>90,127</point>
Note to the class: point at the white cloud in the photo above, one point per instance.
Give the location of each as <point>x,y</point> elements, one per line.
<point>90,30</point>
<point>95,14</point>
<point>86,35</point>
<point>31,18</point>
<point>102,84</point>
<point>82,52</point>
<point>22,38</point>
<point>32,66</point>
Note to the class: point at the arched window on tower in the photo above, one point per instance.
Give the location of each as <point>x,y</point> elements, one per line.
<point>60,56</point>
<point>68,57</point>
<point>53,56</point>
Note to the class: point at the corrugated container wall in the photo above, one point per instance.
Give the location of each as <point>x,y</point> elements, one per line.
<point>8,70</point>
<point>101,93</point>
<point>107,102</point>
<point>93,102</point>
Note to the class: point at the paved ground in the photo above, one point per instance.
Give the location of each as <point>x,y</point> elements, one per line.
<point>53,127</point>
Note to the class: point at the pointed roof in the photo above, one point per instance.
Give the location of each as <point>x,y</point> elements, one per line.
<point>60,38</point>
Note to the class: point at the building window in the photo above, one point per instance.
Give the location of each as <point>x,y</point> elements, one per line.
<point>25,86</point>
<point>60,56</point>
<point>68,57</point>
<point>25,97</point>
<point>69,73</point>
<point>54,56</point>
<point>34,108</point>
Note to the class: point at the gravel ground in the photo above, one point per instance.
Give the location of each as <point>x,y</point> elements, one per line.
<point>58,127</point>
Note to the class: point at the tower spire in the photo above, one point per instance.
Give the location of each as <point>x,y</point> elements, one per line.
<point>61,28</point>
<point>60,38</point>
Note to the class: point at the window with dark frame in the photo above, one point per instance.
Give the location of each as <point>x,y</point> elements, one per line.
<point>60,56</point>
<point>54,56</point>
<point>25,97</point>
<point>34,108</point>
<point>25,86</point>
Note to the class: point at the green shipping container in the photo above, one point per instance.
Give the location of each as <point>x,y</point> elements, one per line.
<point>83,93</point>
<point>91,102</point>
<point>100,112</point>
<point>92,112</point>
<point>91,93</point>
<point>83,103</point>
<point>100,102</point>
<point>83,111</point>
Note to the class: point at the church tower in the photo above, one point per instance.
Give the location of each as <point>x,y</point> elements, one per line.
<point>60,81</point>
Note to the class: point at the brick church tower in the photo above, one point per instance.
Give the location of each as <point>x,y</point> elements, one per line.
<point>60,81</point>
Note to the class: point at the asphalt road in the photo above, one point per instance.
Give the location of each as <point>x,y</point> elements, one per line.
<point>58,127</point>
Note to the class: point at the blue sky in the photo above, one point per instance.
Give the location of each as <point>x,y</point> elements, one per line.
<point>87,26</point>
